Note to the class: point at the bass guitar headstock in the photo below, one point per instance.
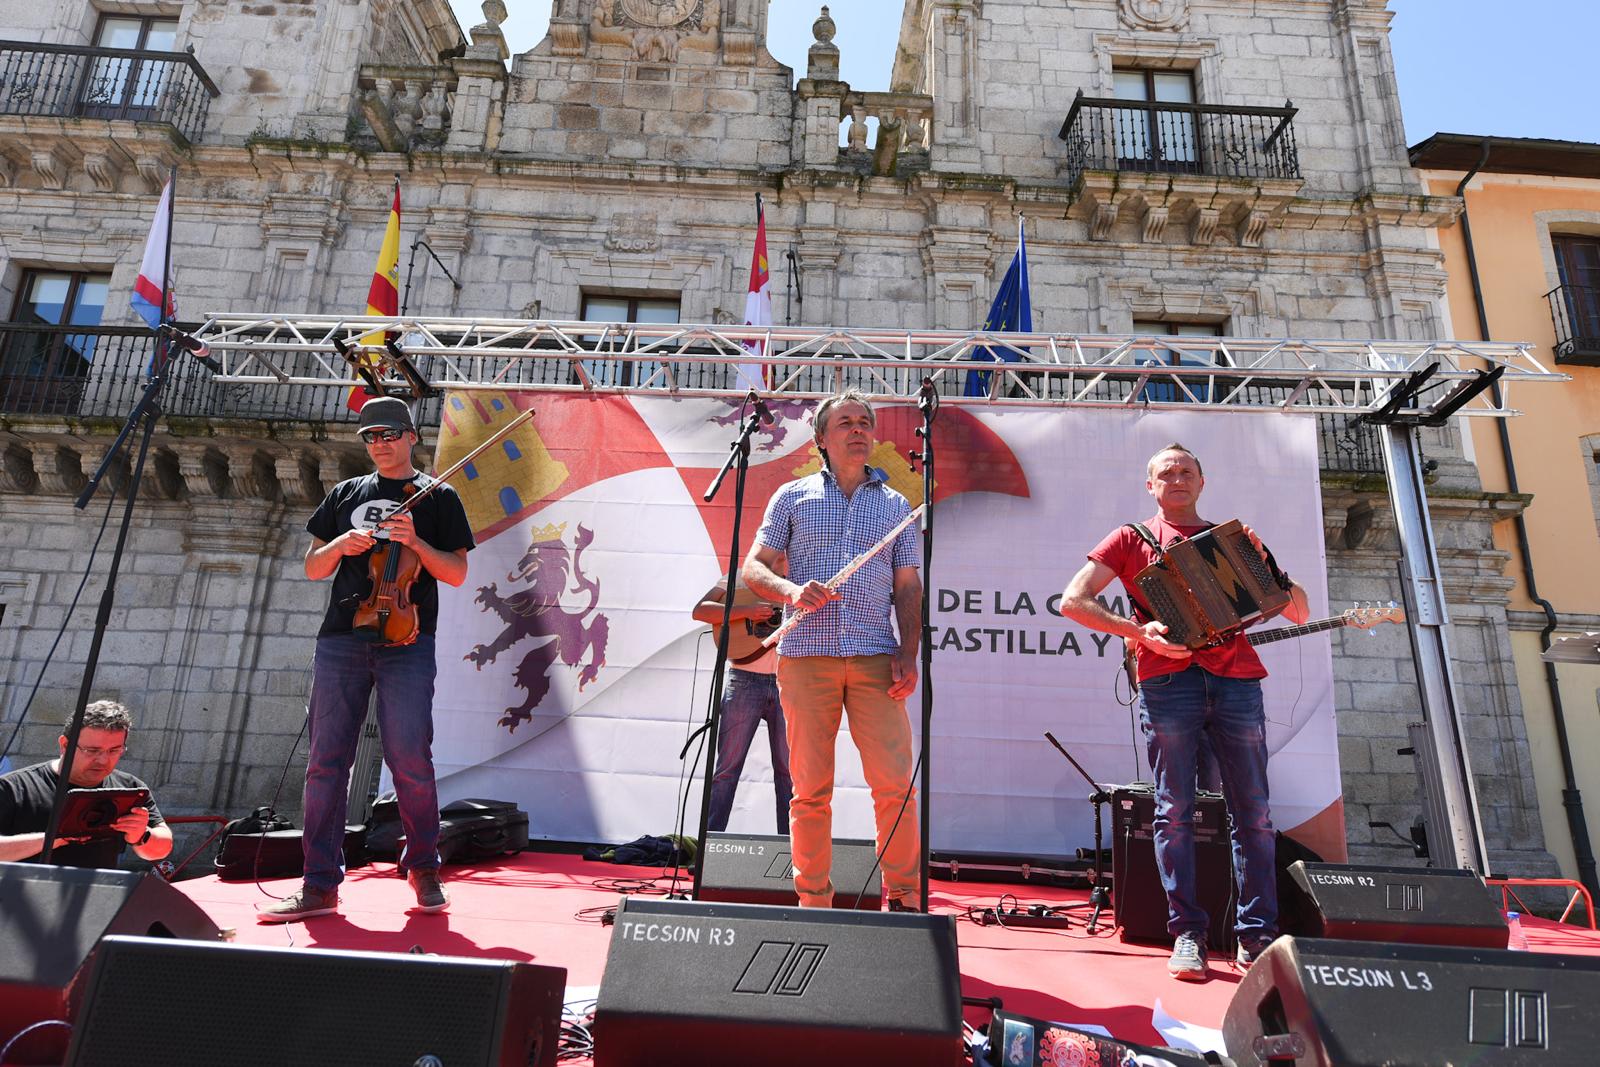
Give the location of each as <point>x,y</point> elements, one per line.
<point>1367,616</point>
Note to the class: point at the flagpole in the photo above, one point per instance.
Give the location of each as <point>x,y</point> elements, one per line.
<point>163,342</point>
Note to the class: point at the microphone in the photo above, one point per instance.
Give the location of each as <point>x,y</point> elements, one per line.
<point>763,412</point>
<point>927,399</point>
<point>191,344</point>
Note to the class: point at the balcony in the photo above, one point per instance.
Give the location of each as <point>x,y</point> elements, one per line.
<point>1218,169</point>
<point>1575,311</point>
<point>99,372</point>
<point>71,81</point>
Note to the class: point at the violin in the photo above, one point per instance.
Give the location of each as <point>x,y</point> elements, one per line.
<point>389,613</point>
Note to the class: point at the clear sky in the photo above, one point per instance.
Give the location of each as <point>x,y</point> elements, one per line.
<point>1464,66</point>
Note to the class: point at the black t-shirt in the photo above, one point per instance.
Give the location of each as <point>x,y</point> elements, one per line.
<point>363,502</point>
<point>25,799</point>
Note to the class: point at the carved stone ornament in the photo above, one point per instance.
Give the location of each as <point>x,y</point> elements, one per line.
<point>657,30</point>
<point>1154,14</point>
<point>633,232</point>
<point>658,14</point>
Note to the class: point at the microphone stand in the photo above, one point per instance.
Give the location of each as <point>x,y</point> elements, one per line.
<point>928,404</point>
<point>146,411</point>
<point>738,461</point>
<point>1099,894</point>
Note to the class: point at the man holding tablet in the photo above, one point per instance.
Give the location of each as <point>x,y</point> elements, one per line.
<point>26,796</point>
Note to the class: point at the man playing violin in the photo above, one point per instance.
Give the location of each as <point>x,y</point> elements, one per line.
<point>350,662</point>
<point>1187,698</point>
<point>846,653</point>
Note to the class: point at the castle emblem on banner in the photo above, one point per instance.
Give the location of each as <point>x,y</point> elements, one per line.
<point>535,612</point>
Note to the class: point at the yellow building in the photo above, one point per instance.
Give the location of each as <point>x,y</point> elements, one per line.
<point>1524,265</point>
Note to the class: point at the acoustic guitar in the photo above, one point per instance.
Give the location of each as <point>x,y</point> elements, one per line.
<point>745,636</point>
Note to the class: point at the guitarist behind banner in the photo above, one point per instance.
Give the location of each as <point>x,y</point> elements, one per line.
<point>749,698</point>
<point>1184,694</point>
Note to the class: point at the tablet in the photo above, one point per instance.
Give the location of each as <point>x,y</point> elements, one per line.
<point>90,812</point>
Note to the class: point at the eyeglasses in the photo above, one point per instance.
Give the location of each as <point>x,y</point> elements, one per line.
<point>97,753</point>
<point>370,436</point>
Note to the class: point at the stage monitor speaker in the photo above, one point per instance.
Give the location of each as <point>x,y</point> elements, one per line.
<point>1137,898</point>
<point>728,985</point>
<point>176,1004</point>
<point>757,869</point>
<point>52,917</point>
<point>1412,905</point>
<point>1315,1003</point>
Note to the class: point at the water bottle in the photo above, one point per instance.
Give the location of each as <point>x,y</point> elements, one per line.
<point>1519,938</point>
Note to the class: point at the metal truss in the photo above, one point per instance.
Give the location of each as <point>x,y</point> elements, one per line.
<point>1430,379</point>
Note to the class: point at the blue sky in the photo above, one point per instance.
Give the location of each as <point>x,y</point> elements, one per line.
<point>1464,66</point>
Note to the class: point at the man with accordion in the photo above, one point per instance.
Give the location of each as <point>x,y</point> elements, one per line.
<point>1193,587</point>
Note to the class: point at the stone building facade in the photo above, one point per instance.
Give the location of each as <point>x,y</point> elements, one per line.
<point>618,161</point>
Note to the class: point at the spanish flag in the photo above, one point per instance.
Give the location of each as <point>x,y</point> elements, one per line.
<point>383,297</point>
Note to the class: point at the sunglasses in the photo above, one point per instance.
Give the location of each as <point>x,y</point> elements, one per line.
<point>369,436</point>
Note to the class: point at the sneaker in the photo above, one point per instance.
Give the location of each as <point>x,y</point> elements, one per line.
<point>903,904</point>
<point>1250,950</point>
<point>308,903</point>
<point>431,896</point>
<point>1188,960</point>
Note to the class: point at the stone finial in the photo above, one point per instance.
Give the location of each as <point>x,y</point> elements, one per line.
<point>822,61</point>
<point>488,42</point>
<point>824,28</point>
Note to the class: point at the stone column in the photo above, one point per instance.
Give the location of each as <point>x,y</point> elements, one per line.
<point>1363,35</point>
<point>821,98</point>
<point>950,30</point>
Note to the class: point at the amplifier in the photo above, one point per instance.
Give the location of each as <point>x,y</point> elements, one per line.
<point>1137,898</point>
<point>1358,1003</point>
<point>758,869</point>
<point>728,985</point>
<point>1413,905</point>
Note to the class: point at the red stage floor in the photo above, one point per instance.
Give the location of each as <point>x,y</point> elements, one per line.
<point>537,907</point>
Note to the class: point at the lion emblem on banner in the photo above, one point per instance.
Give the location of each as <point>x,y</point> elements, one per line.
<point>536,613</point>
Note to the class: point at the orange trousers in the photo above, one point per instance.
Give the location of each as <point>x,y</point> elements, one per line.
<point>813,691</point>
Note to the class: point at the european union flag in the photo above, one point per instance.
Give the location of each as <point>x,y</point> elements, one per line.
<point>1012,311</point>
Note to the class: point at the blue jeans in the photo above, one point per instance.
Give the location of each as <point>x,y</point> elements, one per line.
<point>347,668</point>
<point>1174,711</point>
<point>749,699</point>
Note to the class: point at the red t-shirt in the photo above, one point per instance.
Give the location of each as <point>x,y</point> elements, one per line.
<point>1125,552</point>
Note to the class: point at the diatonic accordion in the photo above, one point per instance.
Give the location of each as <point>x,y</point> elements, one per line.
<point>1210,586</point>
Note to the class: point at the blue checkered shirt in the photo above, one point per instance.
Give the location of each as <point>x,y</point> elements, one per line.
<point>820,530</point>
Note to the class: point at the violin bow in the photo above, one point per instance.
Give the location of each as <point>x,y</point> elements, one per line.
<point>494,438</point>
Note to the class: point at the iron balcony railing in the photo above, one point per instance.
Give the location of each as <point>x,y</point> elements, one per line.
<point>99,372</point>
<point>1206,140</point>
<point>73,81</point>
<point>1575,311</point>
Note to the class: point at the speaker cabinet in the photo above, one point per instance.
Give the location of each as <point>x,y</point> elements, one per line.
<point>1318,1003</point>
<point>758,869</point>
<point>158,1003</point>
<point>52,917</point>
<point>729,985</point>
<point>1412,905</point>
<point>1137,898</point>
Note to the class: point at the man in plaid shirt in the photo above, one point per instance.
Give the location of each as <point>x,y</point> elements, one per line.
<point>845,655</point>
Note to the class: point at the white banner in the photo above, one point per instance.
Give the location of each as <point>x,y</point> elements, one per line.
<point>570,671</point>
